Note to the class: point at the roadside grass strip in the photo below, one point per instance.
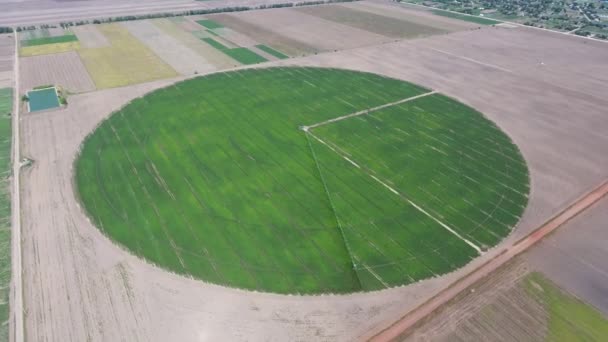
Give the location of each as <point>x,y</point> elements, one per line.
<point>272,51</point>
<point>469,18</point>
<point>126,61</point>
<point>6,107</point>
<point>42,99</point>
<point>209,24</point>
<point>215,177</point>
<point>49,40</point>
<point>240,54</point>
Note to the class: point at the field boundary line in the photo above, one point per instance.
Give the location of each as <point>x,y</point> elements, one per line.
<point>391,189</point>
<point>412,317</point>
<point>367,111</point>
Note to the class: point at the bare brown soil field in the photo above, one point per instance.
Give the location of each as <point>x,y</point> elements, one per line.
<point>114,296</point>
<point>411,14</point>
<point>372,22</point>
<point>575,257</point>
<point>179,56</point>
<point>306,28</point>
<point>63,69</point>
<point>293,47</point>
<point>90,37</point>
<point>216,59</point>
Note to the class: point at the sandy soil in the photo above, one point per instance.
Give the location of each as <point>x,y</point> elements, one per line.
<point>575,257</point>
<point>179,56</point>
<point>80,286</point>
<point>62,69</point>
<point>90,37</point>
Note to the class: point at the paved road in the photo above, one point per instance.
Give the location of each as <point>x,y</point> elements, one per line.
<point>411,318</point>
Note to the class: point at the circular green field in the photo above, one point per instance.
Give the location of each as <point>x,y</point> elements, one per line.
<point>302,180</point>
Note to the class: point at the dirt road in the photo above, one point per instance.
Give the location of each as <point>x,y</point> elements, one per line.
<point>17,282</point>
<point>462,284</point>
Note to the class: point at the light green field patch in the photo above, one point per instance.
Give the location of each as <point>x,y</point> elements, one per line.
<point>210,24</point>
<point>216,177</point>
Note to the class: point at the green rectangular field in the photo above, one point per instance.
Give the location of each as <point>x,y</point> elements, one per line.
<point>241,54</point>
<point>272,51</point>
<point>50,40</point>
<point>372,22</point>
<point>6,107</point>
<point>210,24</point>
<point>469,18</point>
<point>42,99</point>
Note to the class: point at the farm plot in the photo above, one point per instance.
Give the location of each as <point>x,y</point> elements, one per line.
<point>63,69</point>
<point>301,27</point>
<point>6,107</point>
<point>90,37</point>
<point>239,54</point>
<point>126,61</point>
<point>43,41</point>
<point>180,57</point>
<point>372,22</point>
<point>291,46</point>
<point>241,194</point>
<point>479,187</point>
<point>216,58</point>
<point>413,15</point>
<point>515,304</point>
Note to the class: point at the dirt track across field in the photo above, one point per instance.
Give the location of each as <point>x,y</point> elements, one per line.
<point>78,285</point>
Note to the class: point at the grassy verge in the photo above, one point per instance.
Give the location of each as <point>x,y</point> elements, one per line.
<point>469,18</point>
<point>241,54</point>
<point>6,102</point>
<point>272,51</point>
